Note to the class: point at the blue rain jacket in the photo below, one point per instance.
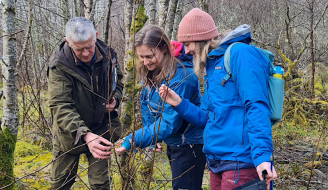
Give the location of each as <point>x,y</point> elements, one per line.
<point>173,129</point>
<point>236,116</point>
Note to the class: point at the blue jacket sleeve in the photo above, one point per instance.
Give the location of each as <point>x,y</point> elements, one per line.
<point>168,124</point>
<point>250,70</point>
<point>197,116</point>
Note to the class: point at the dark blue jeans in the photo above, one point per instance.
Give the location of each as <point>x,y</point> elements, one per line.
<point>187,166</point>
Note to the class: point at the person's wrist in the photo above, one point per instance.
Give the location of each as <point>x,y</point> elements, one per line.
<point>126,144</point>
<point>85,137</point>
<point>178,102</point>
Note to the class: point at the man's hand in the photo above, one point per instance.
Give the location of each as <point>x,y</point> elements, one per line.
<point>111,105</point>
<point>98,150</point>
<point>172,98</point>
<point>271,174</point>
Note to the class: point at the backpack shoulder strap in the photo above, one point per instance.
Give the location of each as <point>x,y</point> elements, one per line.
<point>226,61</point>
<point>269,56</point>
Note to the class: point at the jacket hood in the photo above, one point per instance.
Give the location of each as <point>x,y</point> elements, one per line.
<point>241,34</point>
<point>185,59</point>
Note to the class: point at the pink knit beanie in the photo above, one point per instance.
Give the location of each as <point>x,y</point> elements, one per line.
<point>197,25</point>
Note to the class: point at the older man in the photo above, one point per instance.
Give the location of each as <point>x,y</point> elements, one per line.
<point>78,89</point>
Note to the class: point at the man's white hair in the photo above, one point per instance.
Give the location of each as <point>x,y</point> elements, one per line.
<point>79,29</point>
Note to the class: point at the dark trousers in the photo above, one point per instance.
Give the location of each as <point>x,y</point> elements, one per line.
<point>187,166</point>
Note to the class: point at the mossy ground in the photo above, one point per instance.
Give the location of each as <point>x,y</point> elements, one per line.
<point>31,155</point>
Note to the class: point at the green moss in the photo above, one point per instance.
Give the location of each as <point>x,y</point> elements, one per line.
<point>129,64</point>
<point>325,89</point>
<point>7,148</point>
<point>318,87</point>
<point>139,20</point>
<point>128,110</point>
<point>24,149</point>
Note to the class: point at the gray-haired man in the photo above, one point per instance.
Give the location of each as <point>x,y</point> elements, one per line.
<point>78,88</point>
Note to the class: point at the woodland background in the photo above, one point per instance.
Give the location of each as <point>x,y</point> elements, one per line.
<point>296,31</point>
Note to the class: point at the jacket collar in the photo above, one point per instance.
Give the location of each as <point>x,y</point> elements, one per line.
<point>240,34</point>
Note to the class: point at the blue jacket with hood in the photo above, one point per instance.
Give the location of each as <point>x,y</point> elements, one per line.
<point>173,129</point>
<point>236,116</point>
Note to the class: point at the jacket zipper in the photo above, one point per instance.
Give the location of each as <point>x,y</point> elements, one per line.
<point>91,81</point>
<point>206,88</point>
<point>97,83</point>
<point>183,134</point>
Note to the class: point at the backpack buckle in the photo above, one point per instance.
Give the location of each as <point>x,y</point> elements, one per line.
<point>223,82</point>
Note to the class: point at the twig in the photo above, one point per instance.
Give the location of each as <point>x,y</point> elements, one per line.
<point>27,35</point>
<point>12,34</point>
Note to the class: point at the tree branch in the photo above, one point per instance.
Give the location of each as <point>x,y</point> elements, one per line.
<point>12,34</point>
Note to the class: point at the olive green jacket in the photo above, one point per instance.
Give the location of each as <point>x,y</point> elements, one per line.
<point>74,96</point>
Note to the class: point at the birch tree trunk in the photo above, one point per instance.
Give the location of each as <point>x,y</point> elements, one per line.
<point>170,18</point>
<point>127,104</point>
<point>81,8</point>
<point>152,12</point>
<point>9,125</point>
<point>87,7</point>
<point>177,19</point>
<point>92,10</point>
<point>163,6</point>
<point>127,100</point>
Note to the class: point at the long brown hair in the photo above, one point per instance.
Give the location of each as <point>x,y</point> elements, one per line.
<point>154,37</point>
<point>202,48</point>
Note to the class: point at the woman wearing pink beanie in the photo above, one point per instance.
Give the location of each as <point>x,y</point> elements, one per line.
<point>234,112</point>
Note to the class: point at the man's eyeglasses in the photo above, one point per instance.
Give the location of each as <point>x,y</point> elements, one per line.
<point>87,48</point>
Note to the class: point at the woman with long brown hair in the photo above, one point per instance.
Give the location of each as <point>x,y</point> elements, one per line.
<point>157,65</point>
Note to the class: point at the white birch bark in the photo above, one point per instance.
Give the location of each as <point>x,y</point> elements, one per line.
<point>65,11</point>
<point>177,19</point>
<point>170,18</point>
<point>93,10</point>
<point>9,60</point>
<point>9,124</point>
<point>152,12</point>
<point>163,6</point>
<point>87,9</point>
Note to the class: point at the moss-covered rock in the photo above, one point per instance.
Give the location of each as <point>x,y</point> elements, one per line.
<point>316,165</point>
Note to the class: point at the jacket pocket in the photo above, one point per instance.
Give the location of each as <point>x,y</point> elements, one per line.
<point>225,136</point>
<point>66,142</point>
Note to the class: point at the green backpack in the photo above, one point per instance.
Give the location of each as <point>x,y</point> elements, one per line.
<point>275,88</point>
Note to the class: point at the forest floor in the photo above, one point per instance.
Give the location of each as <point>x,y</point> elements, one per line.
<point>294,149</point>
